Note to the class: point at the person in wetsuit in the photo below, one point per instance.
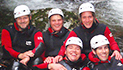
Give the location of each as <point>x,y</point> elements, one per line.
<point>90,27</point>
<point>101,58</point>
<point>19,40</point>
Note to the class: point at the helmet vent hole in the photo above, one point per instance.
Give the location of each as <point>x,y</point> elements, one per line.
<point>69,40</point>
<point>14,13</point>
<point>96,42</point>
<point>24,10</point>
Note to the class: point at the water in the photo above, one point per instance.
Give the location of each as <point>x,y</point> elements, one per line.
<point>117,6</point>
<point>111,12</point>
<point>69,5</point>
<point>108,12</point>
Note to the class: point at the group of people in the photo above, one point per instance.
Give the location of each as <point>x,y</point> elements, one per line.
<point>89,46</point>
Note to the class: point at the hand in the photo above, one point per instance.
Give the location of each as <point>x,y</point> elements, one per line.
<point>57,59</point>
<point>54,66</point>
<point>22,56</point>
<point>25,60</point>
<point>117,55</point>
<point>49,60</point>
<point>26,54</point>
<point>29,53</point>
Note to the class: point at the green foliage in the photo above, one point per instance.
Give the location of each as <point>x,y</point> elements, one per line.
<point>40,18</point>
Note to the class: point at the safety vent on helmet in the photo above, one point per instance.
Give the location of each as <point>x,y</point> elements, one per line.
<point>21,10</point>
<point>98,41</point>
<point>55,11</point>
<point>74,40</point>
<point>86,7</point>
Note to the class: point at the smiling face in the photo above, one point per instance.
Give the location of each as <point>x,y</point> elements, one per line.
<point>56,22</point>
<point>73,52</point>
<point>87,19</point>
<point>23,21</point>
<point>102,52</point>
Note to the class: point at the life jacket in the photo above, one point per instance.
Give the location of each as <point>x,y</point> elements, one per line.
<point>21,41</point>
<point>86,35</point>
<point>53,42</point>
<point>77,65</point>
<point>110,64</point>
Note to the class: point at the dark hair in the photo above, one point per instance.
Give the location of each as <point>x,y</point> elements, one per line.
<point>93,14</point>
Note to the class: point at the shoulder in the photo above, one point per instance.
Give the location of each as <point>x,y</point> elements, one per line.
<point>65,65</point>
<point>45,32</point>
<point>34,29</point>
<point>101,25</point>
<point>78,27</point>
<point>8,27</point>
